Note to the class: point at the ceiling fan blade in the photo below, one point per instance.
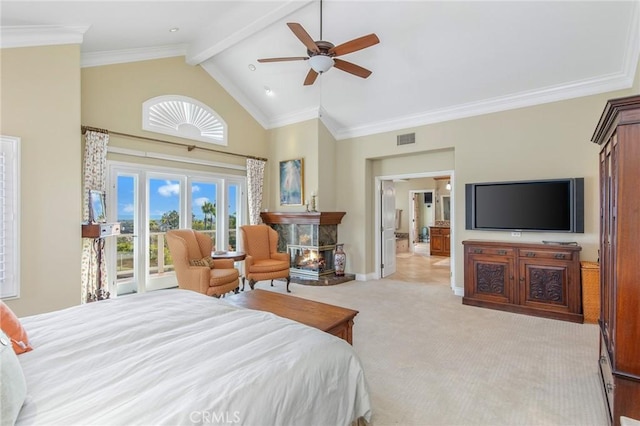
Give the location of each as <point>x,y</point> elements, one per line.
<point>293,58</point>
<point>355,45</point>
<point>351,68</point>
<point>311,78</point>
<point>304,36</point>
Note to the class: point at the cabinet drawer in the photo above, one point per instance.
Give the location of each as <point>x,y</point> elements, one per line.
<point>546,254</point>
<point>497,251</point>
<point>607,375</point>
<point>436,231</point>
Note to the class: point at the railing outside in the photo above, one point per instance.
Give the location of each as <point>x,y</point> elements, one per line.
<point>158,264</point>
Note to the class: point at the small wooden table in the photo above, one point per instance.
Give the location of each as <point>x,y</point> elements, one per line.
<point>236,256</point>
<point>329,318</point>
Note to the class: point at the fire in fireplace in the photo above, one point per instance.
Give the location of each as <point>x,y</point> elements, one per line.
<point>311,261</point>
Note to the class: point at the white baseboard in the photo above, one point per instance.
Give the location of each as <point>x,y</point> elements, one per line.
<point>458,291</point>
<point>366,277</point>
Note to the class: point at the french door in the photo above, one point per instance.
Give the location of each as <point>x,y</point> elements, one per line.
<point>148,202</point>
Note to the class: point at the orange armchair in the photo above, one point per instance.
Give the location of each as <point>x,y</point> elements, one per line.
<point>263,262</point>
<point>189,248</point>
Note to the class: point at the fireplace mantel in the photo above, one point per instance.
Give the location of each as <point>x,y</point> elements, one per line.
<point>304,218</point>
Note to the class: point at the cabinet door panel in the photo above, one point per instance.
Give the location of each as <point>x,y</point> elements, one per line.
<point>544,285</point>
<point>493,278</point>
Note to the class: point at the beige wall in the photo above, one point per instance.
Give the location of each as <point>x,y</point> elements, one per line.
<point>40,103</point>
<point>545,141</point>
<point>326,170</point>
<point>112,98</point>
<point>298,140</point>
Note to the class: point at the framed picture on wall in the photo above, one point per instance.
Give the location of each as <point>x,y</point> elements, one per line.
<point>292,182</point>
<point>97,211</point>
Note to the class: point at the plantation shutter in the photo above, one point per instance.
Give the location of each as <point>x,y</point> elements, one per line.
<point>9,192</point>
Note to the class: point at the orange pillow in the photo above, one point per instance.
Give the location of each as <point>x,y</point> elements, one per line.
<point>10,324</point>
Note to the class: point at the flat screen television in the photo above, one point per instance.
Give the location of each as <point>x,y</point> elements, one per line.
<point>553,205</point>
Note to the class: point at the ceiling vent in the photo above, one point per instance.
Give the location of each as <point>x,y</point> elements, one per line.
<point>407,139</point>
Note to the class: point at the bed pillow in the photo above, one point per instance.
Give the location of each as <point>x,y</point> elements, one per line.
<point>205,261</point>
<point>13,386</point>
<point>10,324</point>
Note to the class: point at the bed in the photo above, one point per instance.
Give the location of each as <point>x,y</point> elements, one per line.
<point>178,357</point>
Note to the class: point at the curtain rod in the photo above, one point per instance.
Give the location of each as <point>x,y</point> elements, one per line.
<point>189,147</point>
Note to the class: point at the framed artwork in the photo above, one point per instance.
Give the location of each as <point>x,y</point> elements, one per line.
<point>292,182</point>
<point>97,211</point>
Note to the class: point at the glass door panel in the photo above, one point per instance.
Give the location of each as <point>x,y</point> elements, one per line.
<point>233,199</point>
<point>204,217</point>
<point>126,243</point>
<point>163,201</point>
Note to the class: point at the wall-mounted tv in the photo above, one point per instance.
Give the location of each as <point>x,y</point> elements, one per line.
<point>554,205</point>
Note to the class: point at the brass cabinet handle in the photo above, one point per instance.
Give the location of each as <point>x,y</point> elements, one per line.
<point>502,252</point>
<point>559,255</point>
<point>531,254</point>
<point>477,251</point>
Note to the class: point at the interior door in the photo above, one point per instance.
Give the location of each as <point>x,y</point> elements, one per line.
<point>388,215</point>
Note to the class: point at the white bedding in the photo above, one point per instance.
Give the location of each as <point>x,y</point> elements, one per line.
<point>177,357</point>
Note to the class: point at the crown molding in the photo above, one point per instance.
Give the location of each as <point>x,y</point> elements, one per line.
<point>111,57</point>
<point>41,35</point>
<point>295,117</point>
<point>520,100</point>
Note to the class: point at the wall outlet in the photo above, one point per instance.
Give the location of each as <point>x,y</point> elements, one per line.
<point>516,234</point>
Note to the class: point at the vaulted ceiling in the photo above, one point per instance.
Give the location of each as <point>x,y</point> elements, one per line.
<point>436,60</point>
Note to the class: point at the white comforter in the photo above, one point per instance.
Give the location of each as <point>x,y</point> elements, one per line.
<point>176,357</point>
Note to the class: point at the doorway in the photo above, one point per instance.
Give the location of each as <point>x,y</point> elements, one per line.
<point>410,192</point>
<point>423,215</point>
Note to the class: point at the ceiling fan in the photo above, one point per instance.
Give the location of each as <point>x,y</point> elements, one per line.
<point>322,54</point>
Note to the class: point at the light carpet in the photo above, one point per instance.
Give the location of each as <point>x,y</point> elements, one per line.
<point>430,360</point>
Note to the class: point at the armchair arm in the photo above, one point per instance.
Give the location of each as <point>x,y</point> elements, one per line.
<point>248,262</point>
<point>223,263</point>
<point>280,256</point>
<point>198,278</point>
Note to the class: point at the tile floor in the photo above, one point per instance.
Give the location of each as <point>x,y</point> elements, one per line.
<point>419,266</point>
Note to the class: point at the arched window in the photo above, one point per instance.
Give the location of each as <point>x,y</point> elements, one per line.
<point>183,117</point>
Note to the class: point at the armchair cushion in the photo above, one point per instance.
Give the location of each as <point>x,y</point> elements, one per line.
<point>268,265</point>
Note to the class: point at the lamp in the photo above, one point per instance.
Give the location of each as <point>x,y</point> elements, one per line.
<point>321,63</point>
<point>448,186</point>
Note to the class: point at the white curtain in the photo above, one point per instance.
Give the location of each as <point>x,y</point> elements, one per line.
<point>94,177</point>
<point>255,182</point>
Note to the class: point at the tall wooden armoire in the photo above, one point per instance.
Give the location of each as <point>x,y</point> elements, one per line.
<point>618,134</point>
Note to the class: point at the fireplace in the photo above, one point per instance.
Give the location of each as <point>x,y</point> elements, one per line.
<point>310,238</point>
<point>311,261</point>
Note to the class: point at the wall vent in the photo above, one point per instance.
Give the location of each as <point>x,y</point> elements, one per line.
<point>407,139</point>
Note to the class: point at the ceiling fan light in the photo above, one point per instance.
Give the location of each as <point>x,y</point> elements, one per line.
<point>321,63</point>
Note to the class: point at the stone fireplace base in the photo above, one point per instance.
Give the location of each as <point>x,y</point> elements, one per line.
<point>322,281</point>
